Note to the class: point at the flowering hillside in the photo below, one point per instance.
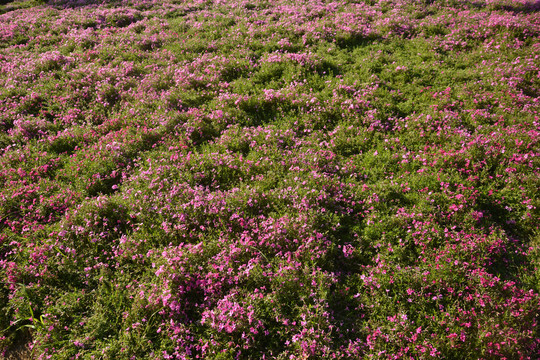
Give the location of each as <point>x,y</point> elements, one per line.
<point>270,179</point>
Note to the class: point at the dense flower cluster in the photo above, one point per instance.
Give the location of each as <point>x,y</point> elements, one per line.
<point>218,179</point>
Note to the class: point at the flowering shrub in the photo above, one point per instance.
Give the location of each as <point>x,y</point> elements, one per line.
<point>270,179</point>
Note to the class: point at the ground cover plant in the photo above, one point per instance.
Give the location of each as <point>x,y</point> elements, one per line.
<point>270,179</point>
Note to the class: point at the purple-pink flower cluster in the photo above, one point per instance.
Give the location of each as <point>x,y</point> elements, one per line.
<point>270,179</point>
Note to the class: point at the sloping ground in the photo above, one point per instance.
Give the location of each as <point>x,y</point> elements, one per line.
<point>270,179</point>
